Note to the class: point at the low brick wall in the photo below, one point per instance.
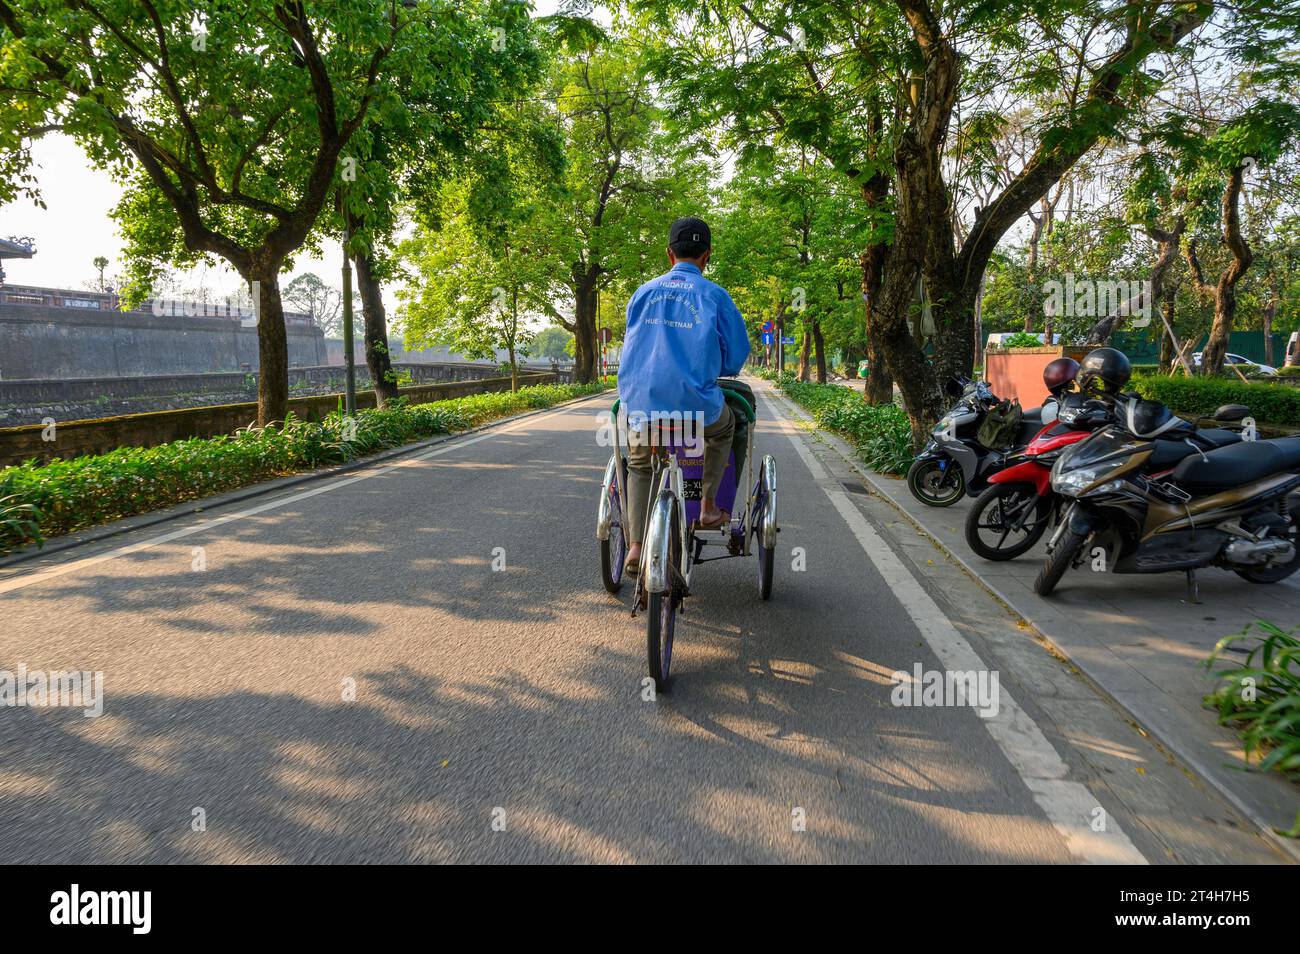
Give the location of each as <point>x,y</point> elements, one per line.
<point>99,435</point>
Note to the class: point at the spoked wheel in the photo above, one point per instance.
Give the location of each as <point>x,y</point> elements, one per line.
<point>766,556</point>
<point>613,554</point>
<point>765,560</point>
<point>938,483</point>
<point>1006,521</point>
<point>661,623</point>
<point>661,616</point>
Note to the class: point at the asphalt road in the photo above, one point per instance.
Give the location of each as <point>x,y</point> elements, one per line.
<point>417,663</point>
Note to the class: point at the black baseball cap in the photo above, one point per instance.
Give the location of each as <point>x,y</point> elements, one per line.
<point>692,235</point>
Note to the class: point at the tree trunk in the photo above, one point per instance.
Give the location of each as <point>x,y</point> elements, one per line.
<point>514,334</point>
<point>375,333</point>
<point>1225,290</point>
<point>1031,272</point>
<point>1168,306</point>
<point>584,333</point>
<point>1167,243</point>
<point>803,356</point>
<point>1270,312</point>
<point>880,386</point>
<point>819,351</point>
<point>779,342</point>
<point>272,346</point>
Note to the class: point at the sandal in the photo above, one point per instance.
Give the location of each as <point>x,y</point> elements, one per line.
<point>632,566</point>
<point>723,521</point>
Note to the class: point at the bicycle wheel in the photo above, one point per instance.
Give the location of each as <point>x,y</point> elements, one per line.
<point>766,556</point>
<point>661,624</point>
<point>613,554</point>
<point>661,615</point>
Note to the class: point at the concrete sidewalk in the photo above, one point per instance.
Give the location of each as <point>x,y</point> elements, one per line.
<point>1134,637</point>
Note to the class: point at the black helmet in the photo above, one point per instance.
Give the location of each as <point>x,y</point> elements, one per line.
<point>1059,373</point>
<point>1150,419</point>
<point>1105,370</point>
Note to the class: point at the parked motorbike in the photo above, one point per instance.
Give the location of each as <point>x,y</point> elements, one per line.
<point>1156,494</point>
<point>1011,515</point>
<point>953,462</point>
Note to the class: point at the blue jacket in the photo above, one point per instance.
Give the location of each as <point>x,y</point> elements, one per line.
<point>683,333</point>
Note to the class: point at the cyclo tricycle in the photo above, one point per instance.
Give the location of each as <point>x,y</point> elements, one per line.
<point>673,543</point>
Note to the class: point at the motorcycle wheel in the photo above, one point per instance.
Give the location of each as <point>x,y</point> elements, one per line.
<point>1274,574</point>
<point>993,507</point>
<point>1058,561</point>
<point>935,486</point>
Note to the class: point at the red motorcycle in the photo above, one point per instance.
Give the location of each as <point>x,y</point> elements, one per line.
<point>1019,505</point>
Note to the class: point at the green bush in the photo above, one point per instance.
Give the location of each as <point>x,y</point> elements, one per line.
<point>881,434</point>
<point>1022,339</point>
<point>1291,371</point>
<point>68,495</point>
<point>1261,696</point>
<point>1268,403</point>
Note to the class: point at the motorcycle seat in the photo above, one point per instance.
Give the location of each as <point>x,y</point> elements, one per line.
<point>1217,437</point>
<point>1237,464</point>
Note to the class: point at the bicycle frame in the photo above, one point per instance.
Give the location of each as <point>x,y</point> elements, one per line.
<point>656,575</point>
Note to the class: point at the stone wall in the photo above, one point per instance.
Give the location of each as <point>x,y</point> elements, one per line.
<point>99,435</point>
<point>32,402</point>
<point>49,342</point>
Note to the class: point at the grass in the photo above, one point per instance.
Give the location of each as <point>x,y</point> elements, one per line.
<point>44,500</point>
<point>1260,697</point>
<point>881,434</point>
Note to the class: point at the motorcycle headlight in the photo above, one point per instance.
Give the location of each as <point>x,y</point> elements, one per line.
<point>1072,481</point>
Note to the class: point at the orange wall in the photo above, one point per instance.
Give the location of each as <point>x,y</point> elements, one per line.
<point>1019,373</point>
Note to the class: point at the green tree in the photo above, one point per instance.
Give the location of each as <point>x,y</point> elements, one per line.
<point>474,293</point>
<point>627,175</point>
<point>877,91</point>
<point>226,123</point>
<point>552,343</point>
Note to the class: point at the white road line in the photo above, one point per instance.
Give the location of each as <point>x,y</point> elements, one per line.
<point>73,566</point>
<point>1069,806</point>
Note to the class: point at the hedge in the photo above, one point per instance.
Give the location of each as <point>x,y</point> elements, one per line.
<point>881,433</point>
<point>1269,403</point>
<point>70,495</point>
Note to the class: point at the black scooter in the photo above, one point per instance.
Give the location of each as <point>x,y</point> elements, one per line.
<point>953,462</point>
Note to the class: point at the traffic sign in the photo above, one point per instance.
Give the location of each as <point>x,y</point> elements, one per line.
<point>787,340</point>
<point>767,337</point>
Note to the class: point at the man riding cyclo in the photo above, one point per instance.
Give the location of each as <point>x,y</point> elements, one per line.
<point>683,333</point>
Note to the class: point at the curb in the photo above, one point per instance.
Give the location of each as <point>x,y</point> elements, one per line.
<point>90,535</point>
<point>1289,846</point>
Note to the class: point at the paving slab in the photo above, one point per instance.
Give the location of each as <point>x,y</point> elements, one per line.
<point>1134,636</point>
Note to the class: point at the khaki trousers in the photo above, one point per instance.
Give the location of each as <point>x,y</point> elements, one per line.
<point>640,468</point>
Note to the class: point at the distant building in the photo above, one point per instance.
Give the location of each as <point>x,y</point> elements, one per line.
<point>12,249</point>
